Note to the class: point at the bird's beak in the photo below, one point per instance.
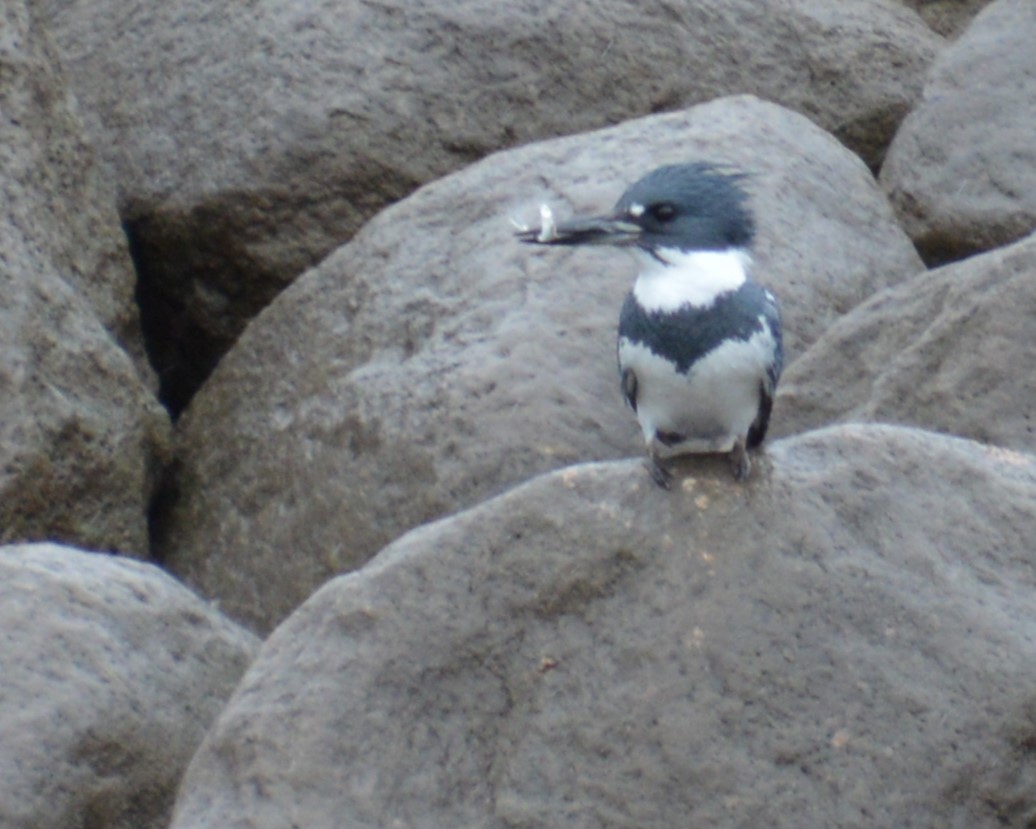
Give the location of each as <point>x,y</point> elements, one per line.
<point>591,230</point>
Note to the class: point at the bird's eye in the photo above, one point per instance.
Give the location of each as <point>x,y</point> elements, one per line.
<point>663,212</point>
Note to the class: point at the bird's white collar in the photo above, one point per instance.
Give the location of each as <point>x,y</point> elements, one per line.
<point>672,279</point>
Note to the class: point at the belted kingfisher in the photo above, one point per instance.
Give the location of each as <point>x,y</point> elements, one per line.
<point>700,348</point>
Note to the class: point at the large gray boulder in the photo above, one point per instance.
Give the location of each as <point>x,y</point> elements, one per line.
<point>81,434</point>
<point>949,350</point>
<point>112,672</point>
<point>248,143</point>
<point>845,641</point>
<point>961,171</point>
<point>434,361</point>
<point>57,204</point>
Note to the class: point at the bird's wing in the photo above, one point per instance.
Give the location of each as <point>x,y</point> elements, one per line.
<point>772,313</point>
<point>768,385</point>
<point>757,431</point>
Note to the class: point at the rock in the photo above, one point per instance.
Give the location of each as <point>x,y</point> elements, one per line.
<point>112,672</point>
<point>82,441</point>
<point>946,350</point>
<point>54,195</point>
<point>434,361</point>
<point>844,641</point>
<point>947,17</point>
<point>81,435</point>
<point>249,144</point>
<point>961,171</point>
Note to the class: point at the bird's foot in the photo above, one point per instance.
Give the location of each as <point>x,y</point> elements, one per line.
<point>740,463</point>
<point>659,473</point>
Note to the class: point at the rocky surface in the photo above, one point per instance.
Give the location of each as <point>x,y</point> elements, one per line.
<point>947,17</point>
<point>112,672</point>
<point>961,171</point>
<point>434,361</point>
<point>943,351</point>
<point>57,206</point>
<point>248,144</point>
<point>825,646</point>
<point>81,435</point>
<point>844,641</point>
<point>81,439</point>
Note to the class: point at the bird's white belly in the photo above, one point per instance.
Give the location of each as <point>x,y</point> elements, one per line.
<point>711,406</point>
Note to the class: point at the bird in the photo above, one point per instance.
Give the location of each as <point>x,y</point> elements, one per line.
<point>700,346</point>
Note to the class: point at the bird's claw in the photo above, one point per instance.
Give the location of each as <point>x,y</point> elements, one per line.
<point>740,463</point>
<point>662,476</point>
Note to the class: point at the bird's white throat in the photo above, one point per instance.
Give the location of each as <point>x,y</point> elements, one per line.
<point>673,279</point>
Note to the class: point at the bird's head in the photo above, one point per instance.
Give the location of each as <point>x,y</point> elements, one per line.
<point>680,207</point>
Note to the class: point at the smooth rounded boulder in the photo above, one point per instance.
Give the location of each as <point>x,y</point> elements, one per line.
<point>961,171</point>
<point>112,672</point>
<point>947,350</point>
<point>249,144</point>
<point>435,361</point>
<point>844,641</point>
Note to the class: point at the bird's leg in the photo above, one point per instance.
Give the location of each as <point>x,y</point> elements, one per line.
<point>660,474</point>
<point>740,463</point>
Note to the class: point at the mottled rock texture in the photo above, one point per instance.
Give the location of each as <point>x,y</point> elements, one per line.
<point>57,203</point>
<point>81,434</point>
<point>961,171</point>
<point>947,17</point>
<point>845,641</point>
<point>249,142</point>
<point>947,350</point>
<point>112,672</point>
